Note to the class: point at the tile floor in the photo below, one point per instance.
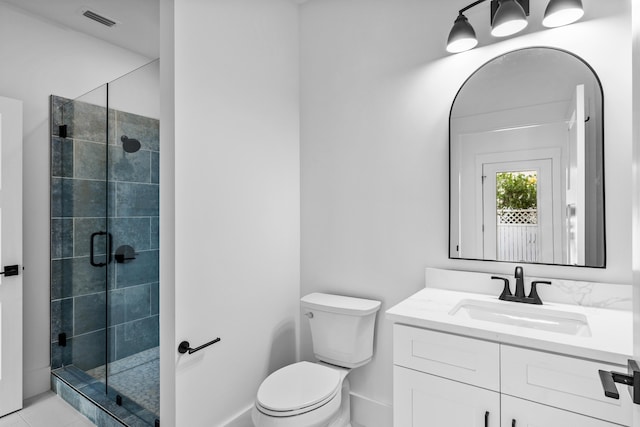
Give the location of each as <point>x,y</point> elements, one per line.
<point>46,410</point>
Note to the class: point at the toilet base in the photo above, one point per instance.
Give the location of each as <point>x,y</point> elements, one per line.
<point>344,416</point>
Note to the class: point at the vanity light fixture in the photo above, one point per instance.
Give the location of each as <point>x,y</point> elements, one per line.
<point>562,12</point>
<point>462,36</point>
<point>510,17</point>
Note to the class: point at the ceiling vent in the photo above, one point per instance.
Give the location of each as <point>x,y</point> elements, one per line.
<point>99,18</point>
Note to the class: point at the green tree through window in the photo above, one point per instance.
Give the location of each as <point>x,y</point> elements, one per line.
<point>516,190</point>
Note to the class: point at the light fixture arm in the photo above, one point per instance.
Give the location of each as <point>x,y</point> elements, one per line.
<point>494,7</point>
<point>475,3</point>
<point>496,3</point>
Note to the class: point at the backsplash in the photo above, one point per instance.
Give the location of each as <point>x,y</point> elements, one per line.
<point>591,294</point>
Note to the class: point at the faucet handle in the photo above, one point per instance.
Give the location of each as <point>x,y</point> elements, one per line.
<point>506,292</point>
<point>533,294</point>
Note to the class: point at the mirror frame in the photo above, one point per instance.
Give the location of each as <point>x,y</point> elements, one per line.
<point>602,131</point>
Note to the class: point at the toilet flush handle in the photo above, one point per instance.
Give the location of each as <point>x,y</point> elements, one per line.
<point>309,315</point>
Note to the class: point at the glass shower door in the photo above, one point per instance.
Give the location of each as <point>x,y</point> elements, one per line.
<point>133,221</point>
<point>79,238</point>
<point>105,245</point>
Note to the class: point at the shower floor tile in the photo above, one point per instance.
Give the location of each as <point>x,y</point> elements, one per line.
<point>136,377</point>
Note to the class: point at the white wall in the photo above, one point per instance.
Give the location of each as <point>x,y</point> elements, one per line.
<point>376,88</point>
<point>236,212</point>
<point>138,92</point>
<point>40,59</point>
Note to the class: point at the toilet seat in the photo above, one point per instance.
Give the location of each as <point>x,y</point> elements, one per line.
<point>298,388</point>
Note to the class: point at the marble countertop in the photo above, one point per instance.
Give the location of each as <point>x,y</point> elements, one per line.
<point>611,337</point>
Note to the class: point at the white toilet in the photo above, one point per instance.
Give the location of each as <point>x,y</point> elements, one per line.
<point>309,394</point>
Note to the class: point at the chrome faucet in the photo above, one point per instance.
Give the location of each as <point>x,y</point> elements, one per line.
<point>520,296</point>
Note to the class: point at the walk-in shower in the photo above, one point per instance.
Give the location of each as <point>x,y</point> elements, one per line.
<point>105,250</point>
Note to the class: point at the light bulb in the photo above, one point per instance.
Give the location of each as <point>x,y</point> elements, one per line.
<point>462,36</point>
<point>509,19</point>
<point>562,12</point>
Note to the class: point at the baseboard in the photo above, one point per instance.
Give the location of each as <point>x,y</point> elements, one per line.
<point>242,419</point>
<point>36,382</point>
<point>366,412</point>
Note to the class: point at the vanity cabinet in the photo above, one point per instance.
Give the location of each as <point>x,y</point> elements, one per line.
<point>523,413</point>
<point>422,400</point>
<point>459,381</point>
<point>562,382</point>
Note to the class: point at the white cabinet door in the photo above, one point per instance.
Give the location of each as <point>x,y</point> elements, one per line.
<point>467,360</point>
<point>423,400</point>
<point>523,413</point>
<point>563,382</point>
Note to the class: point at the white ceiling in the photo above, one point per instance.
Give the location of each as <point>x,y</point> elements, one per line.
<point>137,21</point>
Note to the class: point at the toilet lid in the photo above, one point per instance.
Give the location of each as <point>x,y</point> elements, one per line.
<point>298,386</point>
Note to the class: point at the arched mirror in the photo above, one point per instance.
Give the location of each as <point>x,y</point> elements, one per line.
<point>526,148</point>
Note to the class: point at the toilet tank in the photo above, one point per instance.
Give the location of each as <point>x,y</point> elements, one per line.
<point>341,328</point>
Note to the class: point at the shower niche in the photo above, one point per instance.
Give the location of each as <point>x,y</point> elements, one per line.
<point>105,249</point>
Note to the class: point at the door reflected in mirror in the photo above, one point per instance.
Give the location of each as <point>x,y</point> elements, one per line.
<point>526,162</point>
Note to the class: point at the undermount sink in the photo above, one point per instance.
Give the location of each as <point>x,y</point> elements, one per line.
<point>518,314</point>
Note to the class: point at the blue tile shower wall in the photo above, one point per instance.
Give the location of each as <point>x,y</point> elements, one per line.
<point>86,197</point>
